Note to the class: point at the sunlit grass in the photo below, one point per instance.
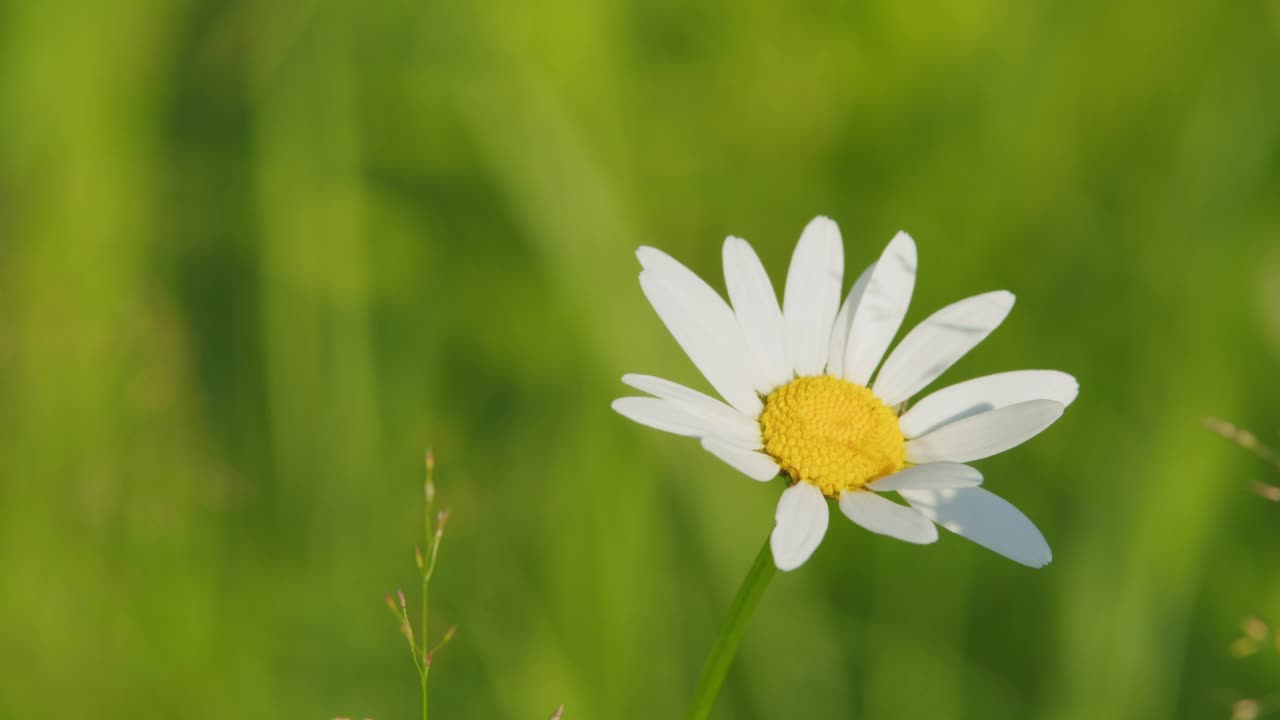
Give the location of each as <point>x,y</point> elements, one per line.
<point>254,256</point>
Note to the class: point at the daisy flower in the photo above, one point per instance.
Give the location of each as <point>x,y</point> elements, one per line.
<point>807,396</point>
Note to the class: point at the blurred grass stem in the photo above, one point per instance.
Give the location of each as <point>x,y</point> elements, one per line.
<point>726,647</point>
<point>432,532</point>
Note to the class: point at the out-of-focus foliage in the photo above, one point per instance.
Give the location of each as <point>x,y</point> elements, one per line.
<point>256,256</point>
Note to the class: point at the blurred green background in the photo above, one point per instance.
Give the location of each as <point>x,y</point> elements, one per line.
<point>255,257</point>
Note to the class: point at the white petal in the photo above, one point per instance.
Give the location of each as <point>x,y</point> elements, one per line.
<point>756,305</point>
<point>801,522</point>
<point>813,295</point>
<point>986,519</point>
<point>984,435</point>
<point>884,304</point>
<point>840,331</point>
<point>986,393</point>
<point>730,424</point>
<point>705,327</point>
<point>937,343</point>
<point>662,415</point>
<point>886,517</point>
<point>930,476</point>
<point>754,465</point>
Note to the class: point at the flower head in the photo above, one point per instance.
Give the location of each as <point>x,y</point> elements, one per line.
<point>807,396</point>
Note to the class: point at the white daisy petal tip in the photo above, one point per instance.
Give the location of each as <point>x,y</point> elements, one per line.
<point>1071,388</point>
<point>802,519</point>
<point>905,247</point>
<point>736,244</point>
<point>987,519</point>
<point>647,255</point>
<point>1041,560</point>
<point>825,225</point>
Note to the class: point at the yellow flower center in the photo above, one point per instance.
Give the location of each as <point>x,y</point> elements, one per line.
<point>831,433</point>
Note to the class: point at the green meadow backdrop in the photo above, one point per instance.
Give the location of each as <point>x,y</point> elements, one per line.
<point>256,257</point>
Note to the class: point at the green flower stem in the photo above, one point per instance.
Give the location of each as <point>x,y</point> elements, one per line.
<point>744,604</point>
